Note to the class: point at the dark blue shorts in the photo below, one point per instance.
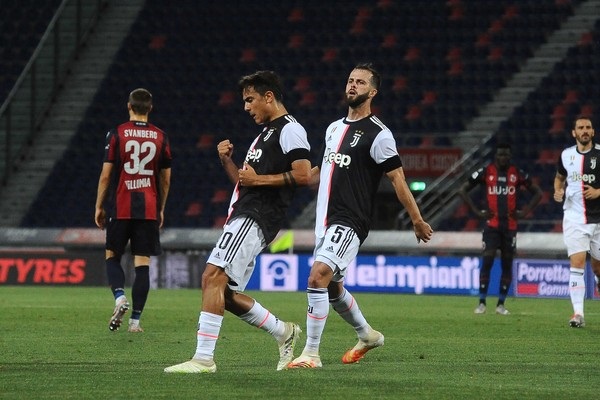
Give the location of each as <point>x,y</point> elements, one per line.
<point>142,234</point>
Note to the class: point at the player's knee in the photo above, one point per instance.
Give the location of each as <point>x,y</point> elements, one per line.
<point>213,276</point>
<point>112,254</point>
<point>314,282</point>
<point>319,280</point>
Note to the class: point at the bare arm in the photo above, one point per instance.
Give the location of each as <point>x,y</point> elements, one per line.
<point>103,183</point>
<point>225,150</point>
<point>315,176</point>
<point>422,229</point>
<point>590,193</point>
<point>559,187</point>
<point>299,175</point>
<point>535,199</point>
<point>464,193</point>
<point>165,185</point>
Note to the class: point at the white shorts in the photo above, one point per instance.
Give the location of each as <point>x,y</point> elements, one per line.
<point>581,237</point>
<point>236,250</point>
<point>337,249</point>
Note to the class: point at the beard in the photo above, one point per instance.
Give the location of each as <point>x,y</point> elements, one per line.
<point>584,141</point>
<point>357,101</point>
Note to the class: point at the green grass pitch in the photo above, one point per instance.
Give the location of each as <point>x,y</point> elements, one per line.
<point>55,344</point>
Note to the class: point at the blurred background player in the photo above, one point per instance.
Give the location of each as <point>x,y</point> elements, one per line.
<point>502,182</point>
<point>134,185</point>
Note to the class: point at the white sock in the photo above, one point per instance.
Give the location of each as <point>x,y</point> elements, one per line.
<point>318,310</point>
<point>347,307</point>
<point>577,289</point>
<point>262,318</point>
<point>209,326</point>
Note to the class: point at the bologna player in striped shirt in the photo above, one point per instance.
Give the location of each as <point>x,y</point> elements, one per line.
<point>133,185</point>
<point>502,182</point>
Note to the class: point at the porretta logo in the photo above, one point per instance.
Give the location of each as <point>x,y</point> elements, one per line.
<point>42,270</point>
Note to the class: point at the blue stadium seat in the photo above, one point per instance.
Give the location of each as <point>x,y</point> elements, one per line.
<point>192,60</point>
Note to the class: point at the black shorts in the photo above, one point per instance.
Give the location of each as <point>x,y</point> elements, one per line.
<point>143,235</point>
<point>497,239</point>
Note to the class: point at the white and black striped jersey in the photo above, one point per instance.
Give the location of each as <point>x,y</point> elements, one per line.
<point>580,169</point>
<point>356,154</point>
<point>280,143</point>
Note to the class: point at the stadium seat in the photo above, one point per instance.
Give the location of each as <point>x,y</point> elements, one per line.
<point>194,209</point>
<point>435,81</point>
<point>220,195</point>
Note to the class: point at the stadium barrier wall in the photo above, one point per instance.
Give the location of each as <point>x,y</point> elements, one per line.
<point>390,261</point>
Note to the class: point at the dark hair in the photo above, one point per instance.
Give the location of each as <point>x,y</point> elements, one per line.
<point>141,101</point>
<point>503,145</point>
<point>580,118</point>
<point>376,78</point>
<point>263,82</point>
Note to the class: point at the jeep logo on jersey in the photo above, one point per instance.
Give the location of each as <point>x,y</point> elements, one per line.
<point>253,155</point>
<point>586,178</point>
<point>343,160</point>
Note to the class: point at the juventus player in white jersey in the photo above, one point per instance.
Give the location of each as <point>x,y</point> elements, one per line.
<point>579,169</point>
<point>359,149</point>
<point>277,162</point>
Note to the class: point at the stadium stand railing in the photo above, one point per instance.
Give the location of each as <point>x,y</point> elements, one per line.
<point>441,61</point>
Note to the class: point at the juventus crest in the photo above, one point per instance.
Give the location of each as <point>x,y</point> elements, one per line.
<point>356,137</point>
<point>268,135</point>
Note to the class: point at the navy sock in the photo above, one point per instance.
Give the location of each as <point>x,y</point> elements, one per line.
<point>116,276</point>
<point>139,290</point>
<point>505,279</point>
<point>484,277</point>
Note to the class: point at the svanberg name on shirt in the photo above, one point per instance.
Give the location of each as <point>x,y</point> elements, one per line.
<point>140,133</point>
